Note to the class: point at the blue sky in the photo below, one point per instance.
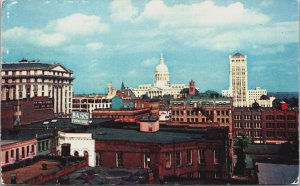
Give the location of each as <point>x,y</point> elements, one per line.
<point>117,41</point>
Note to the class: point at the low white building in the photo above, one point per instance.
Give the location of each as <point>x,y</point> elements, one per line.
<point>161,85</point>
<point>89,103</point>
<point>81,144</point>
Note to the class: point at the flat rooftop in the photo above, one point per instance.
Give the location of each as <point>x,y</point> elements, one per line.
<point>27,172</point>
<point>24,134</point>
<point>134,135</point>
<point>6,142</point>
<point>62,124</point>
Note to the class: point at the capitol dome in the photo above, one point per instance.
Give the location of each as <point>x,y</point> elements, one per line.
<point>161,67</point>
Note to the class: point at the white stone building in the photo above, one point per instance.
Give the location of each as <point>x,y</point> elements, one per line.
<point>89,103</point>
<point>238,88</point>
<point>161,85</point>
<point>27,79</point>
<point>81,144</point>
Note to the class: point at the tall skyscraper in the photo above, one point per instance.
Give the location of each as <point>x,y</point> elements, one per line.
<point>238,88</point>
<point>238,79</point>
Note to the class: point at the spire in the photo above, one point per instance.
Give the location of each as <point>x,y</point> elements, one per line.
<point>161,58</point>
<point>122,86</point>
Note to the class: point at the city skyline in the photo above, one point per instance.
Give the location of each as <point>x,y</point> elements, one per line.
<point>122,40</point>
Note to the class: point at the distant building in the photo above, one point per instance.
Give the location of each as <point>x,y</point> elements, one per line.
<point>28,79</point>
<point>266,125</point>
<point>123,115</point>
<point>238,87</point>
<point>125,93</point>
<point>202,112</point>
<point>23,112</point>
<point>88,103</point>
<point>190,92</point>
<point>162,85</point>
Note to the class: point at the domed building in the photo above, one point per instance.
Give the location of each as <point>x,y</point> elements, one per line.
<point>161,85</point>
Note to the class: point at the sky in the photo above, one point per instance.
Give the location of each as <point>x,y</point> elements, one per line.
<point>121,40</point>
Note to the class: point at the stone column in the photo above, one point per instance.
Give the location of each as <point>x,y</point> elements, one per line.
<point>59,99</point>
<point>54,98</point>
<point>63,96</point>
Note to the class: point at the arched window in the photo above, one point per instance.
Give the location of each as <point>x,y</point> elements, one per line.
<point>76,154</point>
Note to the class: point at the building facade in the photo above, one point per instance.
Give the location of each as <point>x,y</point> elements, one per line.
<point>76,141</point>
<point>123,115</point>
<point>23,112</point>
<point>266,125</point>
<point>90,102</point>
<point>13,151</point>
<point>202,112</point>
<point>161,86</point>
<point>238,87</point>
<point>27,79</point>
<point>166,154</point>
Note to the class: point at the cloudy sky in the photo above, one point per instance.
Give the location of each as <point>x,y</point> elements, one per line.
<point>121,40</point>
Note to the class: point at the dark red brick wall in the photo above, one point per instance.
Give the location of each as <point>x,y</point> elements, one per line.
<point>28,113</point>
<point>133,156</point>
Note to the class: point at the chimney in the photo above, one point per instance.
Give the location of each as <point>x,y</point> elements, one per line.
<point>192,88</point>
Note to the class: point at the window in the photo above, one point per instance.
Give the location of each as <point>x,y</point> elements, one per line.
<point>39,146</point>
<point>17,154</point>
<point>201,174</point>
<point>189,156</point>
<point>6,157</point>
<point>217,156</point>
<point>27,151</point>
<point>168,160</point>
<point>47,144</point>
<point>98,159</point>
<point>201,156</point>
<point>147,160</point>
<point>269,117</point>
<point>178,158</point>
<point>43,145</point>
<point>217,175</point>
<point>291,117</point>
<point>23,152</point>
<point>12,153</point>
<point>257,125</point>
<point>270,134</point>
<point>119,159</point>
<point>32,148</point>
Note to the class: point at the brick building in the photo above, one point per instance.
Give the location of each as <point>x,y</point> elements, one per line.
<point>202,112</point>
<point>145,103</point>
<point>266,125</point>
<point>195,154</point>
<point>124,115</point>
<point>16,150</point>
<point>23,112</point>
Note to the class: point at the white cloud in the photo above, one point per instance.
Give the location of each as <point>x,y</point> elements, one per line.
<point>149,62</point>
<point>123,10</point>
<point>132,73</point>
<point>51,39</point>
<point>201,14</point>
<point>59,31</point>
<point>33,36</point>
<point>214,27</point>
<point>94,46</point>
<point>79,24</point>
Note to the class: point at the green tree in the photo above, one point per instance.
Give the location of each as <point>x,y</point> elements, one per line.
<point>241,142</point>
